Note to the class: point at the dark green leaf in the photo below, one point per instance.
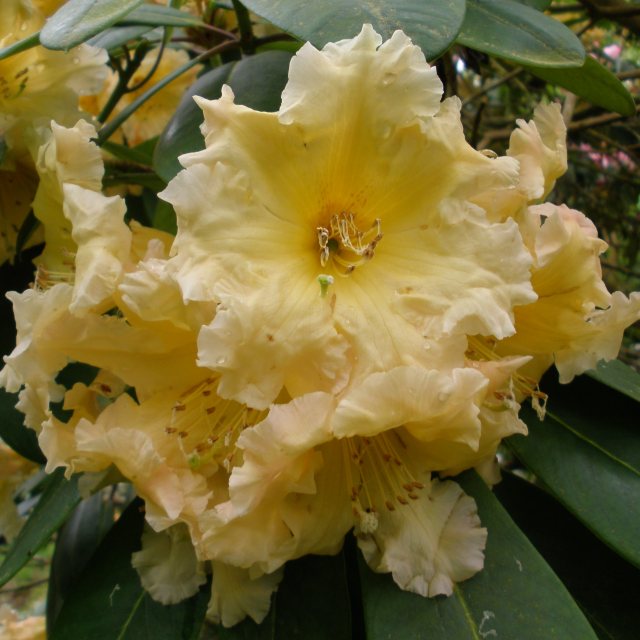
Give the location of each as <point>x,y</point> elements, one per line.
<point>312,602</point>
<point>431,24</point>
<point>516,595</point>
<point>603,584</point>
<point>519,33</point>
<point>27,229</point>
<point>257,82</point>
<point>108,601</point>
<point>78,20</point>
<point>58,499</point>
<point>587,452</point>
<point>164,217</point>
<point>12,430</point>
<point>540,5</point>
<point>22,45</point>
<point>77,540</point>
<point>158,16</point>
<point>618,376</point>
<point>115,37</point>
<point>593,82</point>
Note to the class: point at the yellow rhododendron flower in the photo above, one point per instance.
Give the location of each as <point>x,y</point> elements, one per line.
<point>355,301</point>
<point>342,242</point>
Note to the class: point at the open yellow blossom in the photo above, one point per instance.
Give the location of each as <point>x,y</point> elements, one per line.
<point>336,234</point>
<point>575,321</point>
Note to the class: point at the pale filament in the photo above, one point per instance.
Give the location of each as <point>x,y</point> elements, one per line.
<point>346,244</point>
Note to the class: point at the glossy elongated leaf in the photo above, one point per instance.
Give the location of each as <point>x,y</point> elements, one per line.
<point>58,499</point>
<point>432,24</point>
<point>593,82</point>
<point>108,601</point>
<point>78,20</point>
<point>77,540</point>
<point>540,5</point>
<point>516,595</point>
<point>312,603</point>
<point>519,33</point>
<point>257,82</point>
<point>587,452</point>
<point>618,376</point>
<point>602,583</point>
<point>156,16</point>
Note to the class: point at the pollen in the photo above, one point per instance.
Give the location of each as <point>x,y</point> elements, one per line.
<point>377,477</point>
<point>345,245</point>
<point>207,426</point>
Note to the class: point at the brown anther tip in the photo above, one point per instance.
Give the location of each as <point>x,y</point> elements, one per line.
<point>389,505</point>
<point>417,485</point>
<point>206,392</point>
<point>408,486</point>
<point>170,430</point>
<point>105,388</point>
<point>179,407</point>
<point>413,496</point>
<point>402,500</point>
<point>182,434</point>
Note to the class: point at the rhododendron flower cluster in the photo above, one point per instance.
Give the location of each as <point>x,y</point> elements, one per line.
<point>354,306</point>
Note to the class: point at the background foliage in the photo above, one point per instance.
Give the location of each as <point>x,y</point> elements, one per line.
<point>563,555</point>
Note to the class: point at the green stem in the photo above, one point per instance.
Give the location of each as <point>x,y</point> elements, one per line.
<point>123,80</point>
<point>20,46</point>
<point>108,129</point>
<point>247,39</point>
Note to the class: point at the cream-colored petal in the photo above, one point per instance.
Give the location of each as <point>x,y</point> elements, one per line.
<point>600,336</point>
<point>431,405</point>
<point>395,83</point>
<point>540,147</point>
<point>263,341</point>
<point>565,322</point>
<point>430,544</point>
<point>236,594</point>
<point>167,565</point>
<point>103,243</point>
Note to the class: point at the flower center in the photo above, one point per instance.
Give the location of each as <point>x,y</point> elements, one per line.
<point>345,245</point>
<point>377,477</point>
<point>208,426</point>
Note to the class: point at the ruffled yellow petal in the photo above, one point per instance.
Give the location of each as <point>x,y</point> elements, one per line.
<point>575,320</point>
<point>429,544</point>
<point>167,565</point>
<point>236,594</point>
<point>429,404</point>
